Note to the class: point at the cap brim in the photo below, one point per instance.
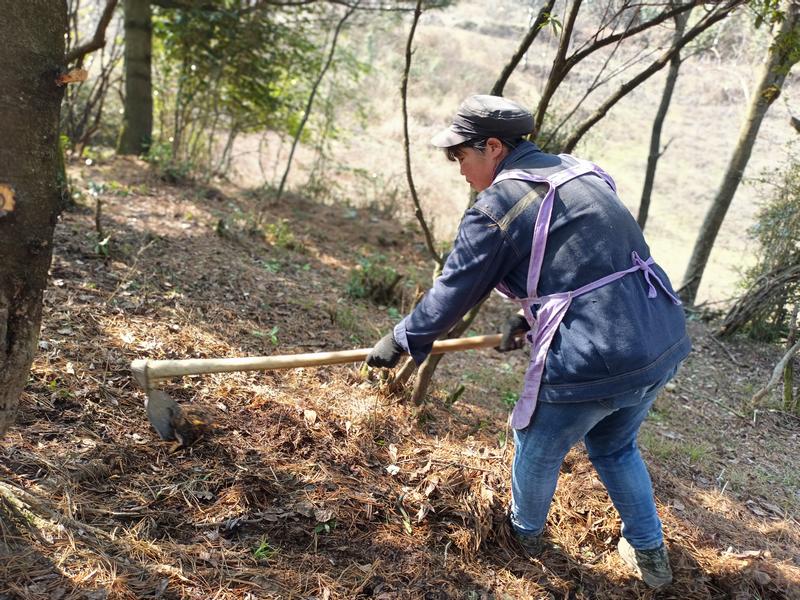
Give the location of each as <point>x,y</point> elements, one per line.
<point>447,138</point>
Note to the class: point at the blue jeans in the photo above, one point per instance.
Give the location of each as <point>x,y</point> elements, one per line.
<point>609,429</point>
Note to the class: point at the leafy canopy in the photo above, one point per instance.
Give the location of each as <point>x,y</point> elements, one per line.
<point>253,66</point>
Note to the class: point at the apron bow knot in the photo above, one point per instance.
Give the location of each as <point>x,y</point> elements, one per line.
<point>649,273</point>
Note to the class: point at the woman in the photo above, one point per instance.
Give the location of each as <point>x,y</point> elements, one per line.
<point>605,327</point>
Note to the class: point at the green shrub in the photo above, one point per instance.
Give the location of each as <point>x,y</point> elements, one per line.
<point>777,232</point>
<point>169,168</point>
<point>509,399</point>
<point>264,551</point>
<point>374,279</point>
<point>279,234</point>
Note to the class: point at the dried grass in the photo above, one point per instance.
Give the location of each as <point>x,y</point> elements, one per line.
<point>315,483</point>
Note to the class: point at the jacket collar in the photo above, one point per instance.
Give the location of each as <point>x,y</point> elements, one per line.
<point>524,150</point>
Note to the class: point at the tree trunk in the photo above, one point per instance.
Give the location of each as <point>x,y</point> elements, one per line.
<point>428,368</point>
<point>533,32</point>
<point>559,69</point>
<point>658,123</point>
<point>780,58</point>
<point>137,129</point>
<point>30,187</point>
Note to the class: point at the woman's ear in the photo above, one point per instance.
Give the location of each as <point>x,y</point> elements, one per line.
<point>494,147</point>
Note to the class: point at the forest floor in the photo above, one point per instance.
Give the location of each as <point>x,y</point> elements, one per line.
<point>317,482</point>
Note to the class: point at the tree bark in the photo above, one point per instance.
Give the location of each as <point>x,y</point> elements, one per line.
<point>30,187</point>
<point>428,368</point>
<point>781,56</point>
<point>137,129</point>
<point>658,123</point>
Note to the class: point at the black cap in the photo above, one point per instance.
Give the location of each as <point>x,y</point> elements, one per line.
<point>484,116</point>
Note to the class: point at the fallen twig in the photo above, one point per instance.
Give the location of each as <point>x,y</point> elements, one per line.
<point>728,352</point>
<point>128,273</point>
<point>726,407</point>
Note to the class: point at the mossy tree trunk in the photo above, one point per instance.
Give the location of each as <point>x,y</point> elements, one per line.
<point>30,184</point>
<point>137,131</point>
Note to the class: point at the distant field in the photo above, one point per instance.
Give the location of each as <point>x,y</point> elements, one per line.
<point>461,51</point>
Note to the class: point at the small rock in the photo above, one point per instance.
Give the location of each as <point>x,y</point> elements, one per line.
<point>761,578</point>
<point>323,515</point>
<point>310,417</point>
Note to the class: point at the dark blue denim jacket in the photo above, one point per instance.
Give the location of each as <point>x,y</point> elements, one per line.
<point>612,340</point>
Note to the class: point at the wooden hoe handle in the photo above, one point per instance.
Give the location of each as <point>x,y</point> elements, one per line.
<point>163,369</point>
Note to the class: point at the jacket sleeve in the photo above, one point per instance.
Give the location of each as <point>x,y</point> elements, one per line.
<point>480,258</point>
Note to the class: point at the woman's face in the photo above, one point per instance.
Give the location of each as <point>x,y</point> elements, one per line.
<point>477,167</point>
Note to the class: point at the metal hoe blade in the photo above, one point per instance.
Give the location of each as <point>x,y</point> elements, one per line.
<point>162,411</point>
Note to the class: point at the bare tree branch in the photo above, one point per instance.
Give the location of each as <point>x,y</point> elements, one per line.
<point>558,71</point>
<point>596,83</point>
<point>210,5</point>
<point>562,65</point>
<point>610,39</point>
<point>628,86</point>
<point>99,38</point>
<point>655,153</point>
<point>536,27</point>
<point>412,188</point>
<point>73,35</point>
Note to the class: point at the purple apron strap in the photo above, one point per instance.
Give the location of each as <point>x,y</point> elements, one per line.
<point>644,265</point>
<point>520,174</point>
<point>548,318</point>
<point>638,265</point>
<point>542,228</point>
<point>596,169</point>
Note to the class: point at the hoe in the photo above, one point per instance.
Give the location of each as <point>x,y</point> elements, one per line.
<point>172,423</point>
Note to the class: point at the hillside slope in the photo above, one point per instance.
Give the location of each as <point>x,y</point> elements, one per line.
<point>316,482</point>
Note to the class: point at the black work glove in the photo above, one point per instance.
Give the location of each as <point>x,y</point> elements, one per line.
<point>386,352</point>
<point>513,326</point>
